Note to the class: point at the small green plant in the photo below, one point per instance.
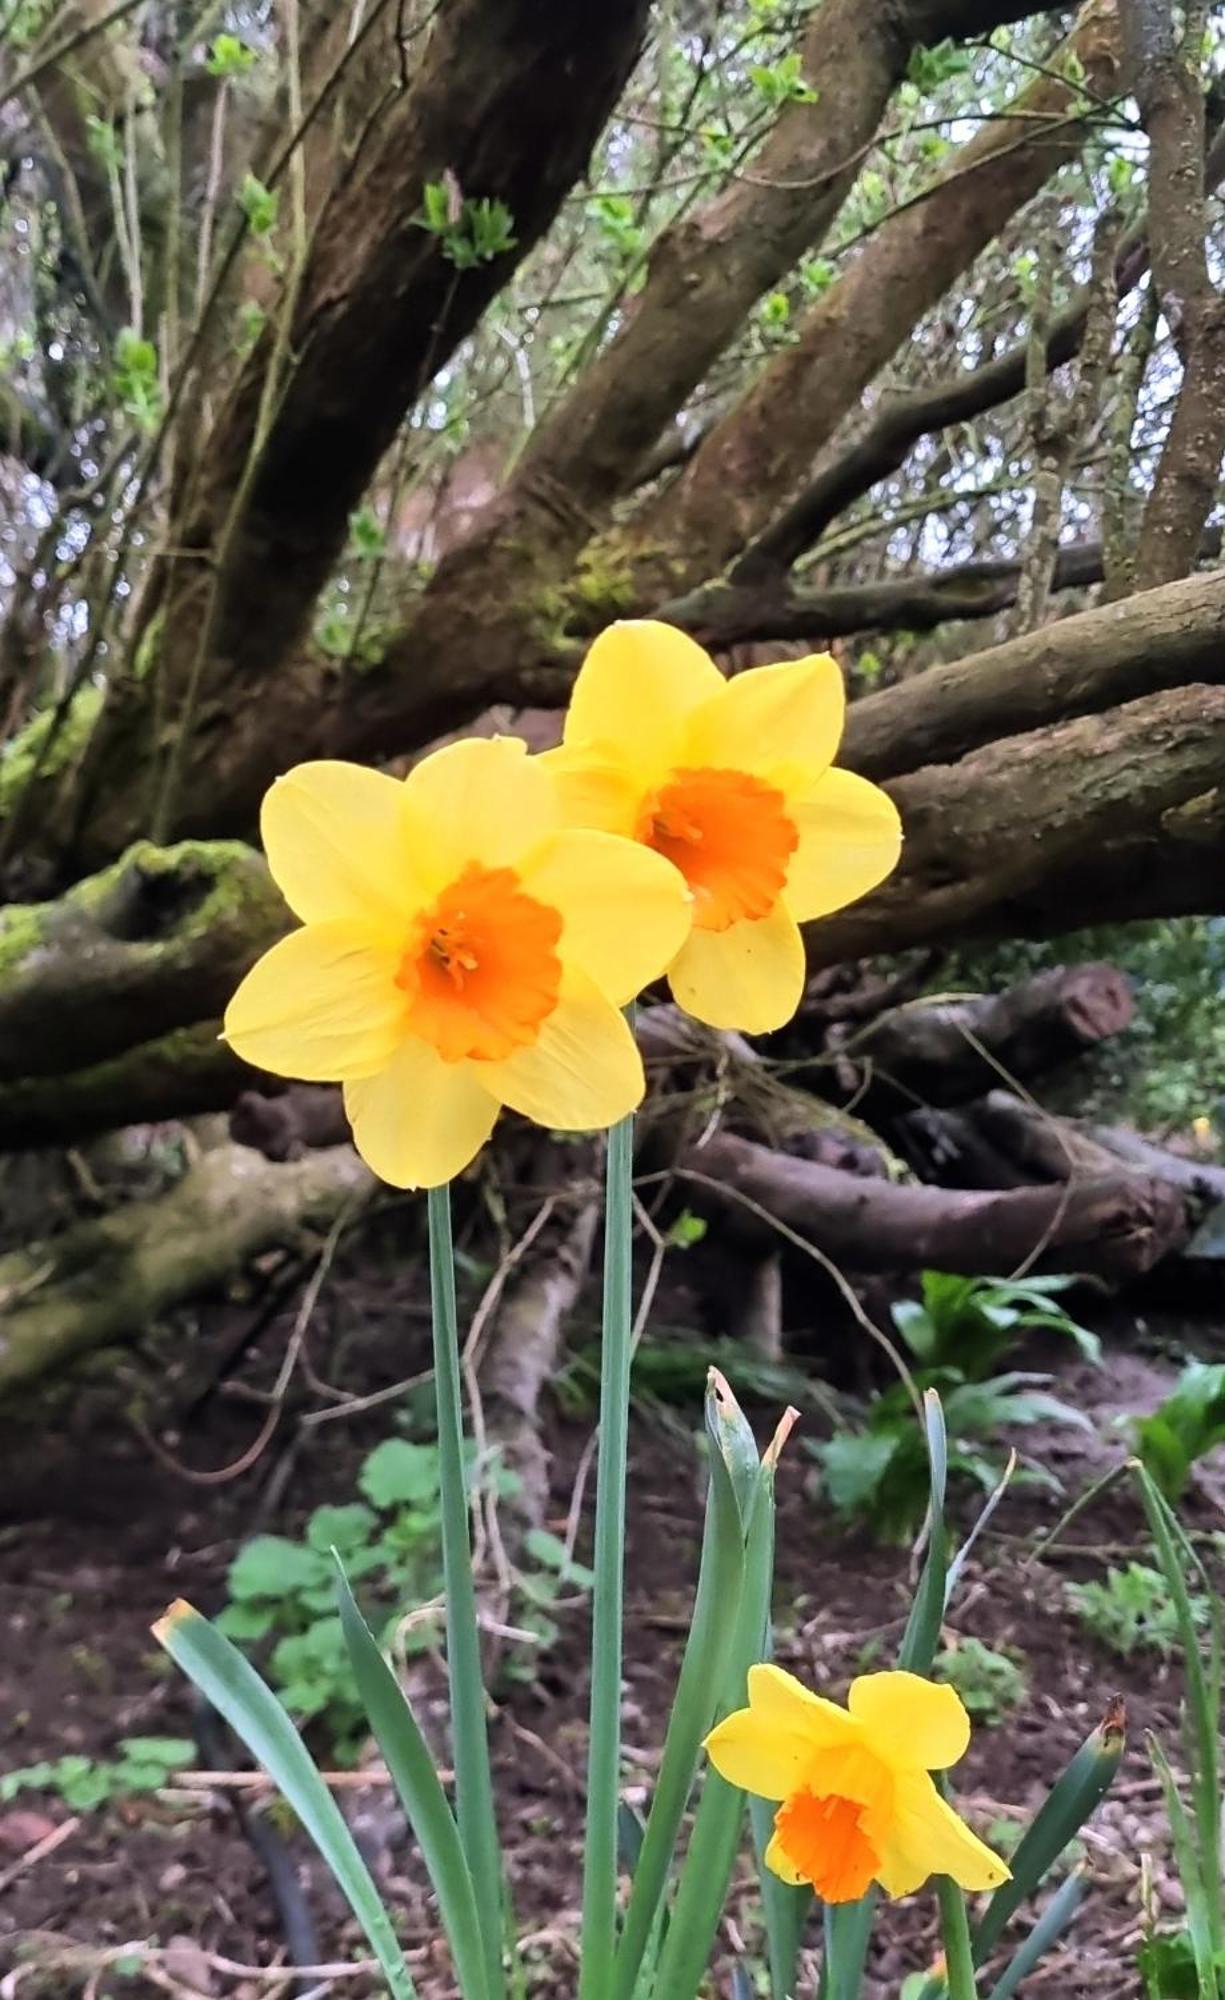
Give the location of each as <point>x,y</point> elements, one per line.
<point>469,231</point>
<point>556,1575</point>
<point>782,82</point>
<point>1186,1427</point>
<point>229,57</point>
<point>260,204</point>
<point>971,1323</point>
<point>1166,1962</point>
<point>282,1591</point>
<point>104,143</point>
<point>619,225</point>
<point>929,68</point>
<point>957,1332</point>
<point>85,1782</point>
<point>1132,1610</point>
<point>989,1683</point>
<point>135,377</point>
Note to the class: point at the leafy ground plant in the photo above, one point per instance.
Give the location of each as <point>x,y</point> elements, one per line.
<point>1133,1608</point>
<point>145,1765</point>
<point>989,1683</point>
<point>956,1332</point>
<point>282,1591</point>
<point>1186,1427</point>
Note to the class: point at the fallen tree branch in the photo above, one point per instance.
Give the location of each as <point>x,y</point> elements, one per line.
<point>1022,1142</point>
<point>1111,1228</point>
<point>729,614</point>
<point>178,1075</point>
<point>154,943</point>
<point>1106,816</point>
<point>105,1281</point>
<point>1076,666</point>
<point>949,1051</point>
<point>528,1339</point>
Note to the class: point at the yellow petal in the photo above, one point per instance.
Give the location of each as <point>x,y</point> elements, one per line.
<point>850,839</point>
<point>770,717</point>
<point>924,1836</point>
<point>779,1864</point>
<point>592,792</point>
<point>775,1696</point>
<point>321,1005</point>
<point>625,910</point>
<point>483,799</point>
<point>750,976</point>
<point>341,842</point>
<point>911,1721</point>
<point>421,1120</point>
<point>769,1755</point>
<point>634,694</point>
<point>582,1072</point>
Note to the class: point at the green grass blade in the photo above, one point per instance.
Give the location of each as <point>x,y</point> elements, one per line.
<point>599,1932</point>
<point>478,1829</point>
<point>1201,1893</point>
<point>955,1937</point>
<point>702,1675</point>
<point>785,1910</point>
<point>848,1929</point>
<point>1050,1926</point>
<point>1071,1801</point>
<point>255,1715</point>
<point>1203,1690</point>
<point>421,1794</point>
<point>922,1634</point>
<point>711,1855</point>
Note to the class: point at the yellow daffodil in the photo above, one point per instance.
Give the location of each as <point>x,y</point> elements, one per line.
<point>856,1802</point>
<point>460,951</point>
<point>731,781</point>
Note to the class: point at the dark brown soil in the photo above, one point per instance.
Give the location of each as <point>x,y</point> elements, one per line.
<point>108,1533</point>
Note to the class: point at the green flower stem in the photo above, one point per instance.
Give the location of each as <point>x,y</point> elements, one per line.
<point>959,1977</point>
<point>604,1749</point>
<point>474,1811</point>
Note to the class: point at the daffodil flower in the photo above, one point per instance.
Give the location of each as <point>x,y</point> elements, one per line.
<point>857,1803</point>
<point>460,951</point>
<point>731,781</point>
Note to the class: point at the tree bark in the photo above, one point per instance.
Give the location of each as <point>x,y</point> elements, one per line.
<point>377,307</point>
<point>1021,1143</point>
<point>753,461</point>
<point>1042,833</point>
<point>726,614</point>
<point>177,1076</point>
<point>947,1052</point>
<point>1166,79</point>
<point>1076,666</point>
<point>903,416</point>
<point>1111,1228</point>
<point>104,1281</point>
<point>156,943</point>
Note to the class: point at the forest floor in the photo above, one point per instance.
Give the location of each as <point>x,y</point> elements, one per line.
<point>161,1892</point>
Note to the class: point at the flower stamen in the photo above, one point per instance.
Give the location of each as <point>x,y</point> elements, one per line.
<point>730,835</point>
<point>481,972</point>
<point>822,1836</point>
